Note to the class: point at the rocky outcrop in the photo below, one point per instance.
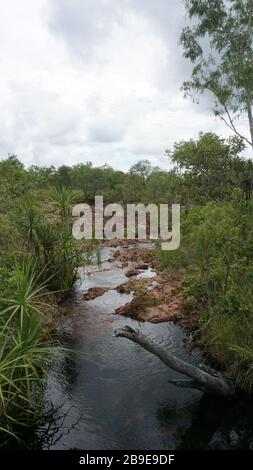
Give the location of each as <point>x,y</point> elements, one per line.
<point>138,306</point>
<point>157,300</point>
<point>95,292</point>
<point>132,272</point>
<point>134,285</point>
<point>142,258</point>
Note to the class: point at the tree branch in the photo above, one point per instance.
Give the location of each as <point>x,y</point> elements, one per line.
<point>230,122</point>
<point>231,126</point>
<point>211,382</point>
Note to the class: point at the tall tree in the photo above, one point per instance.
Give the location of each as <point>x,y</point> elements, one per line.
<point>219,43</point>
<point>142,168</point>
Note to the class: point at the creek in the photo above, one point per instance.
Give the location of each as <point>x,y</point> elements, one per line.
<point>111,394</point>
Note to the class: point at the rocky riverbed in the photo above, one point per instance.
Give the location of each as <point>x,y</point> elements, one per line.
<point>156,297</point>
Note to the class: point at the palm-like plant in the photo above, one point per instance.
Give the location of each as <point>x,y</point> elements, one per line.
<point>67,259</point>
<point>47,238</point>
<point>62,199</point>
<point>65,243</point>
<point>30,228</point>
<point>23,353</point>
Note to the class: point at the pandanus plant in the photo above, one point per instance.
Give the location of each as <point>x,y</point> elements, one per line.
<point>54,249</point>
<point>24,353</point>
<point>62,199</point>
<point>30,226</point>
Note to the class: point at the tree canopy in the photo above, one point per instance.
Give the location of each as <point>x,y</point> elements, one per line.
<point>219,43</point>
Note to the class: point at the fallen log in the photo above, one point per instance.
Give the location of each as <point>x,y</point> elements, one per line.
<point>202,377</point>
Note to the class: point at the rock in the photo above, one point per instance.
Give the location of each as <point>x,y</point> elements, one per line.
<point>155,301</point>
<point>124,288</point>
<point>140,256</point>
<point>95,292</point>
<point>153,285</point>
<point>142,266</point>
<point>133,285</point>
<point>161,313</point>
<point>132,272</point>
<point>137,306</point>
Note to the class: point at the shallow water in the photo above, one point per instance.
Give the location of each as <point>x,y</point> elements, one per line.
<point>112,394</point>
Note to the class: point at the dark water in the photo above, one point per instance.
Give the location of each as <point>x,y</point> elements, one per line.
<point>112,394</point>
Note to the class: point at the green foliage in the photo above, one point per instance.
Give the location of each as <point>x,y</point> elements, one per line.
<point>24,354</point>
<point>82,182</point>
<point>209,168</point>
<point>38,256</point>
<point>62,199</point>
<point>217,255</point>
<point>54,249</point>
<point>142,168</point>
<point>219,43</point>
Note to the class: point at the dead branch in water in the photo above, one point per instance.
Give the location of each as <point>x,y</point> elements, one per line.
<point>202,377</point>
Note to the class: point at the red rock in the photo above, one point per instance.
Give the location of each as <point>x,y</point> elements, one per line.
<point>137,306</point>
<point>142,266</point>
<point>95,292</point>
<point>132,272</point>
<point>133,285</point>
<point>161,304</point>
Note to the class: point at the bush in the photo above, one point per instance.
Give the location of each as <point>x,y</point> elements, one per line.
<point>217,252</point>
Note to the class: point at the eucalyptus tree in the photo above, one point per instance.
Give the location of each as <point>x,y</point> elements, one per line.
<point>219,43</point>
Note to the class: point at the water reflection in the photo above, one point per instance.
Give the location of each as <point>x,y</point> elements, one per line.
<point>111,394</point>
<point>118,393</point>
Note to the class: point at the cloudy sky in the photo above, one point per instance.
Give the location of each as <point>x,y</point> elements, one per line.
<point>95,80</point>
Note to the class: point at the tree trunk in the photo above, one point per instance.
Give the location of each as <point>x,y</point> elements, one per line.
<point>203,378</point>
<point>250,116</point>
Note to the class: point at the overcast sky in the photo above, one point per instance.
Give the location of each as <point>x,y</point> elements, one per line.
<point>95,80</point>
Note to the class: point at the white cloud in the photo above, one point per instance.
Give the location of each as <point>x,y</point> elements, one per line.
<point>94,80</point>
